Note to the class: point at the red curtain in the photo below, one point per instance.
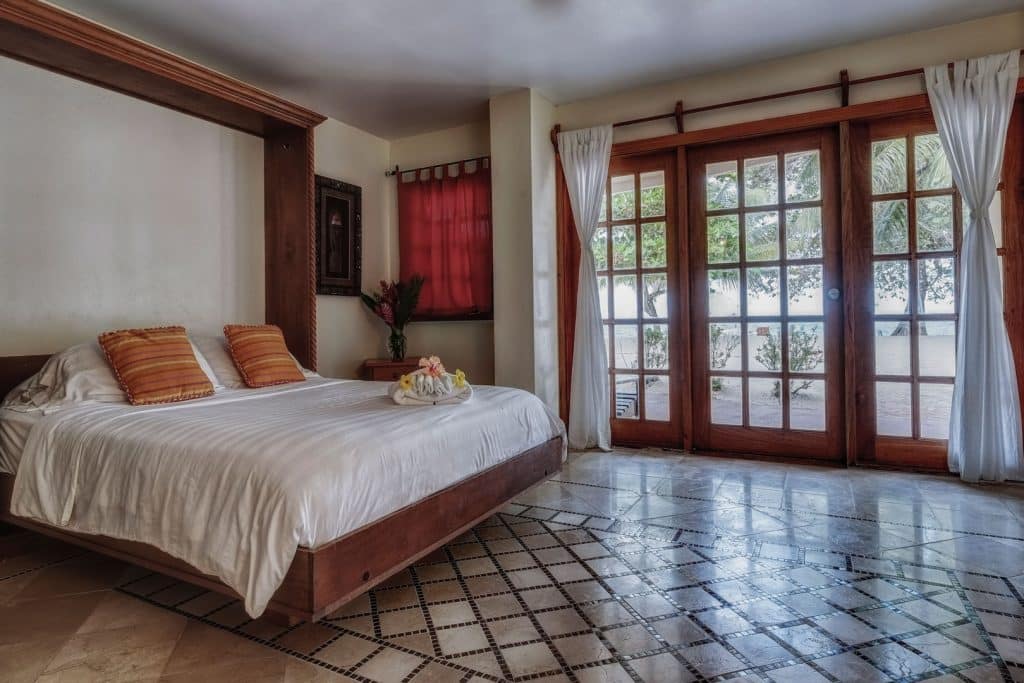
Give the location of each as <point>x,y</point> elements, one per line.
<point>444,234</point>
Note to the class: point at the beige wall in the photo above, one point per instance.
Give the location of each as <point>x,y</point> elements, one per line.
<point>545,251</point>
<point>347,333</point>
<point>468,345</point>
<point>523,208</point>
<point>512,218</point>
<point>115,212</point>
<point>897,53</point>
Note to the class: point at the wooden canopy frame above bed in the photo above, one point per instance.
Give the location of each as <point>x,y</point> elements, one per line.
<point>57,40</point>
<point>321,579</point>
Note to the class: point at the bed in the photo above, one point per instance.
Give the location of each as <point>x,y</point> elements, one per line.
<point>297,499</point>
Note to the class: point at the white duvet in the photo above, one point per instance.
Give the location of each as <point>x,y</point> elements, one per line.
<point>235,483</point>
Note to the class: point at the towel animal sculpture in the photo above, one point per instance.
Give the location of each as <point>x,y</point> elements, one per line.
<point>431,385</point>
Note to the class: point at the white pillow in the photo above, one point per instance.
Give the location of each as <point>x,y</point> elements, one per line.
<point>219,356</point>
<point>215,349</point>
<point>79,373</point>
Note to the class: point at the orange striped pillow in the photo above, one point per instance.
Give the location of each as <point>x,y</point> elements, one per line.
<point>155,365</point>
<point>261,355</point>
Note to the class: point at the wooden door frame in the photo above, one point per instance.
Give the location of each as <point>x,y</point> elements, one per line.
<point>825,445</point>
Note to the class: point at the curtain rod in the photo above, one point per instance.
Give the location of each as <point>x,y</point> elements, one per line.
<point>679,112</point>
<point>396,171</point>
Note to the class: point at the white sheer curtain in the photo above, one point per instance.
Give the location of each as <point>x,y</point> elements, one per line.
<point>972,111</point>
<point>585,155</point>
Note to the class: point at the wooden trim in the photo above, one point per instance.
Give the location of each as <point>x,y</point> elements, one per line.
<point>684,285</point>
<point>290,245</point>
<point>55,39</point>
<point>746,454</point>
<point>1013,239</point>
<point>917,454</point>
<point>320,581</point>
<point>782,124</point>
<point>567,250</point>
<point>16,369</point>
<point>858,340</point>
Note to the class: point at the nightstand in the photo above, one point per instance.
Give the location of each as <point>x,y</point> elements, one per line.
<point>380,370</point>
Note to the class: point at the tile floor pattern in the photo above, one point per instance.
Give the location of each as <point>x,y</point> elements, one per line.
<point>632,566</point>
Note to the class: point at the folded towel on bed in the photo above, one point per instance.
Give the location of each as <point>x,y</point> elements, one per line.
<point>431,385</point>
<point>409,398</point>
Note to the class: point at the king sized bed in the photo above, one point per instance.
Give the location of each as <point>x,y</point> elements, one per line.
<point>296,498</point>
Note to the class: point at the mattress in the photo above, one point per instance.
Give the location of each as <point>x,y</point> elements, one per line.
<point>14,429</point>
<point>234,483</point>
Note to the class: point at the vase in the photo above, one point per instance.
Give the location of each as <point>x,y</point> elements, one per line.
<point>396,344</point>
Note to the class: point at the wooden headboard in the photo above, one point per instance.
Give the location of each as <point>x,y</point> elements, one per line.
<point>16,369</point>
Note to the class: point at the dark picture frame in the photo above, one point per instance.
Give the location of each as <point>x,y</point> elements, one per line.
<point>339,237</point>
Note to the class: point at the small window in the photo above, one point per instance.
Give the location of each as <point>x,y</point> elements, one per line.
<point>444,230</point>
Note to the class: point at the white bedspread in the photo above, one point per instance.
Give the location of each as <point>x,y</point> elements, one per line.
<point>234,483</point>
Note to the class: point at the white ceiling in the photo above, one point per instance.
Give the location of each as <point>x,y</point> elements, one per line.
<point>400,67</point>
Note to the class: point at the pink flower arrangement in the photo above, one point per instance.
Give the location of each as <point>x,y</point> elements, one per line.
<point>395,304</point>
<point>432,366</point>
<point>396,301</point>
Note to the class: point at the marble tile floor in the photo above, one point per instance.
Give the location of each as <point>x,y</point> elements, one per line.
<point>629,566</point>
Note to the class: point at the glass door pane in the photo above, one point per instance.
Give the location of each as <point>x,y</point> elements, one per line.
<point>635,266</point>
<point>765,330</point>
<point>915,227</point>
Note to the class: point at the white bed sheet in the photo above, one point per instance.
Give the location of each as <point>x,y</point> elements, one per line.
<point>233,484</point>
<point>15,426</point>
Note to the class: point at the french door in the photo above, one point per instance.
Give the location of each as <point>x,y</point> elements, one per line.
<point>913,215</point>
<point>765,297</point>
<point>762,321</point>
<point>637,272</point>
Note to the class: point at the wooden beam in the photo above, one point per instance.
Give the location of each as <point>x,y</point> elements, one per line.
<point>1013,237</point>
<point>290,250</point>
<point>778,124</point>
<point>54,39</point>
<point>51,38</point>
<point>782,124</point>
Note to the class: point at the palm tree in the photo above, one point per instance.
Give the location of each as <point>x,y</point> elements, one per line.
<point>890,221</point>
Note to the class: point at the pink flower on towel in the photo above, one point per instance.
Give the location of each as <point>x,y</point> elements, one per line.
<point>433,366</point>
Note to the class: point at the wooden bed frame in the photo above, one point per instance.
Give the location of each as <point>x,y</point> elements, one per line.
<point>322,580</point>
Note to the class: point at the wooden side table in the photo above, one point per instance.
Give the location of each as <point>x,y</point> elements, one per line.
<point>382,370</point>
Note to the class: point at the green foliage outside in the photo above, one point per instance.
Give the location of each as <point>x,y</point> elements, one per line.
<point>805,355</point>
<point>891,223</point>
<point>803,240</point>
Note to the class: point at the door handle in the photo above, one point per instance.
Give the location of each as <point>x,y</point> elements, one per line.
<point>834,294</point>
